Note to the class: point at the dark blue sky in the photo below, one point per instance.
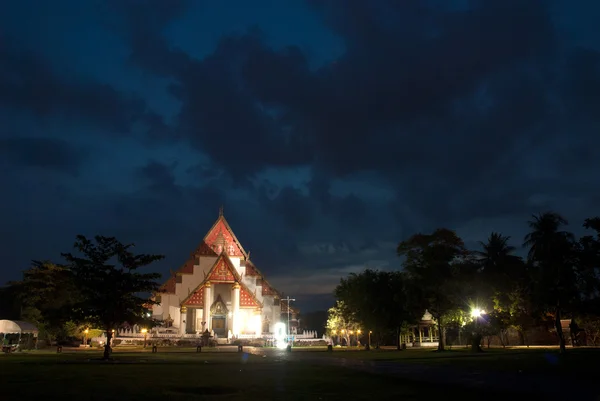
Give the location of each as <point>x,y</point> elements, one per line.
<point>329,130</point>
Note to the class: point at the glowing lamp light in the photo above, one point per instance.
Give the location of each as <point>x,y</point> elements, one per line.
<point>144,331</point>
<point>477,313</point>
<point>358,331</point>
<point>86,331</point>
<point>280,334</point>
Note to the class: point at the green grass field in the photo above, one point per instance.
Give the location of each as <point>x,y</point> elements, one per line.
<point>582,362</point>
<point>183,374</point>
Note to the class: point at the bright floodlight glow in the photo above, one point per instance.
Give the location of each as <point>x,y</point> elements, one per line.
<point>280,334</point>
<point>477,312</point>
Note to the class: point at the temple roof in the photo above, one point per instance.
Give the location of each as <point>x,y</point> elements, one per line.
<point>267,288</point>
<point>222,271</point>
<point>221,234</point>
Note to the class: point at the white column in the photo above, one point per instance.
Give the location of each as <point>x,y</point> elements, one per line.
<point>258,323</point>
<point>182,319</point>
<point>235,303</point>
<point>207,303</point>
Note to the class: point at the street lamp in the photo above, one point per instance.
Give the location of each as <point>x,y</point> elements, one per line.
<point>85,332</point>
<point>370,332</point>
<point>145,331</point>
<point>476,313</point>
<point>357,334</point>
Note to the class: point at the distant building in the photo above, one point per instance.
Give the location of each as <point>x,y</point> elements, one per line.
<point>219,289</point>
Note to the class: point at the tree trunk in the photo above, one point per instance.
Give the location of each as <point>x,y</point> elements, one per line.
<point>559,332</point>
<point>441,335</point>
<point>521,337</point>
<point>476,342</point>
<point>109,335</point>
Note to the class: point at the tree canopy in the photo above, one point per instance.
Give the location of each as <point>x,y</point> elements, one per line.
<point>560,277</point>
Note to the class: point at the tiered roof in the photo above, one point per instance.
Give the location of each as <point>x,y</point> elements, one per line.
<point>218,241</point>
<point>222,271</point>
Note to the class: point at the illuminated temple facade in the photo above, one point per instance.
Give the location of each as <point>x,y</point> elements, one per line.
<point>219,289</point>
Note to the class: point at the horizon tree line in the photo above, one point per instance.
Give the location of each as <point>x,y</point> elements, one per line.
<point>559,278</point>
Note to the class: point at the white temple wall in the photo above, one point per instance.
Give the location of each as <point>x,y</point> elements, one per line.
<point>175,314</point>
<point>167,303</point>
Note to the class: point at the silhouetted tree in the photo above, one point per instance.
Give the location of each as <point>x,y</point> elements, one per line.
<point>552,254</point>
<point>433,263</point>
<point>106,274</point>
<point>46,295</point>
<point>378,301</point>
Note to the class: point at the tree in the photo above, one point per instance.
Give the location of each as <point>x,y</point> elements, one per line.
<point>106,274</point>
<point>46,295</point>
<point>341,321</point>
<point>552,256</point>
<point>505,279</point>
<point>432,262</point>
<point>378,301</point>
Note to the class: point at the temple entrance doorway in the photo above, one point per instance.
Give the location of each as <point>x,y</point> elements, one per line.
<point>219,326</point>
<point>218,312</point>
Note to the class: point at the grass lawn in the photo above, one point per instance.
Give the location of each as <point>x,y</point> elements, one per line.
<point>198,376</point>
<point>581,362</point>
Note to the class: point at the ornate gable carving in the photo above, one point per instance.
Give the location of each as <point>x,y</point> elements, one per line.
<point>248,300</point>
<point>218,307</point>
<point>222,272</point>
<point>221,239</point>
<point>196,299</point>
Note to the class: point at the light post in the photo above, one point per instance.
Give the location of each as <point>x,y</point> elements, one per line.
<point>288,300</point>
<point>476,314</point>
<point>357,334</point>
<point>370,332</point>
<point>350,338</point>
<point>145,331</point>
<point>85,333</point>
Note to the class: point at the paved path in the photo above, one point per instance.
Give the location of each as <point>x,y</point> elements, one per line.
<point>534,386</point>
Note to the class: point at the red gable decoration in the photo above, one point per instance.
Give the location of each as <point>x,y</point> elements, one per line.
<point>251,270</point>
<point>266,289</point>
<point>219,239</point>
<point>196,299</point>
<point>222,272</point>
<point>248,300</point>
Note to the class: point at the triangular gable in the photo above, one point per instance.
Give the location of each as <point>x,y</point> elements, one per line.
<point>223,271</point>
<point>248,299</point>
<point>251,270</point>
<point>169,286</point>
<point>267,289</point>
<point>196,298</point>
<point>220,238</point>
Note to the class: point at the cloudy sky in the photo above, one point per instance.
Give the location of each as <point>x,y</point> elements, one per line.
<point>329,130</point>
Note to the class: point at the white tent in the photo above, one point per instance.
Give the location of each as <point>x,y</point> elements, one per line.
<point>17,327</point>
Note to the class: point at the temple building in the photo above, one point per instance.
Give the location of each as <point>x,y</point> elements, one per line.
<point>219,289</point>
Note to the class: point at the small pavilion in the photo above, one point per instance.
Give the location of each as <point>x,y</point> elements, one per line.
<point>423,334</point>
<point>12,332</point>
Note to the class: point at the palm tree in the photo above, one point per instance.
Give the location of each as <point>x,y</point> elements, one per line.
<point>551,255</point>
<point>495,252</point>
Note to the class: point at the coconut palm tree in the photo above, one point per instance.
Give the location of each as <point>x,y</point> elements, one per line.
<point>551,253</point>
<point>496,251</point>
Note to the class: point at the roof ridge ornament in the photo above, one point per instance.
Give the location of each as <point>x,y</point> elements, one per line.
<point>221,211</point>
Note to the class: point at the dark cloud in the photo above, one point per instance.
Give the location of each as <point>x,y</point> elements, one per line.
<point>46,153</point>
<point>27,82</point>
<point>472,115</point>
